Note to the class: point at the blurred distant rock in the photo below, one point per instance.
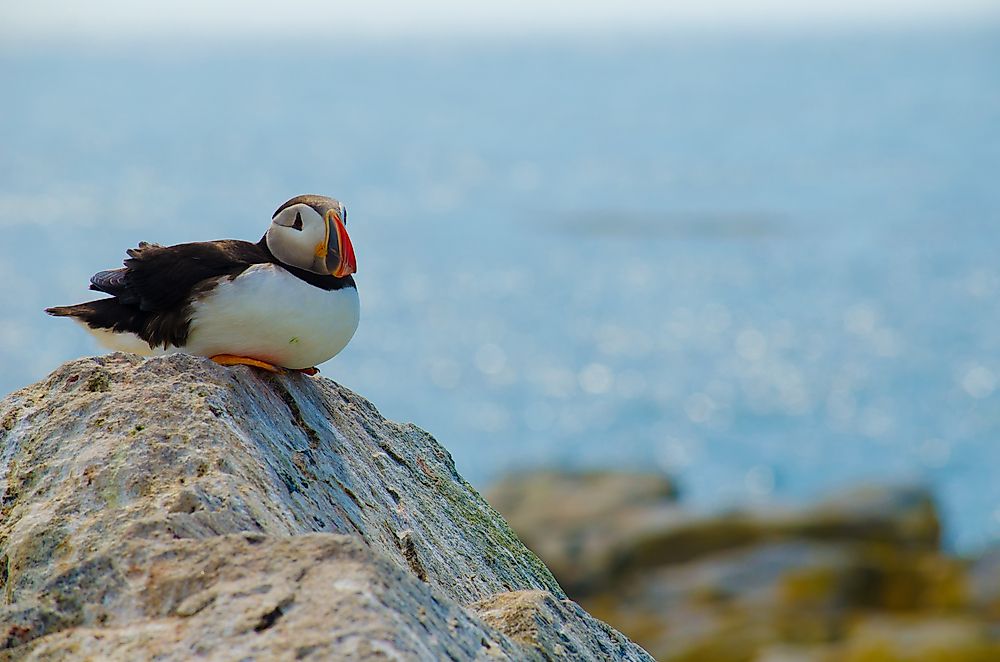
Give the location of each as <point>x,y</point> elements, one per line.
<point>578,521</point>
<point>984,582</point>
<point>850,578</point>
<point>593,528</point>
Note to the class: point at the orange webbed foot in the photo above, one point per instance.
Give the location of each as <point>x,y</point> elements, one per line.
<point>308,371</point>
<point>229,359</point>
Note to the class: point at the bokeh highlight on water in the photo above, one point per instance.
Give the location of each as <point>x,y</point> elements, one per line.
<point>765,264</point>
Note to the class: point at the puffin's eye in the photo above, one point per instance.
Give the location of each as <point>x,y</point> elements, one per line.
<point>297,225</point>
<point>343,215</point>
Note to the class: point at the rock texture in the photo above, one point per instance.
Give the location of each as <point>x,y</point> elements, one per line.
<point>171,507</point>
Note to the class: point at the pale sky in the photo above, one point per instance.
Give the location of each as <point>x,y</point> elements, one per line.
<point>60,20</point>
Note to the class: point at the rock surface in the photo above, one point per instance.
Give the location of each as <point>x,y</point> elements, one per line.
<point>171,507</point>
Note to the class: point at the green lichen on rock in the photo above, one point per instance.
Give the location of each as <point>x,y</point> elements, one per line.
<point>99,382</point>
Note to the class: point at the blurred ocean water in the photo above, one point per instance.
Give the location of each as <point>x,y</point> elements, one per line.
<point>766,264</point>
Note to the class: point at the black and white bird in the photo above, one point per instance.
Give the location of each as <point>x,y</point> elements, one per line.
<point>288,301</point>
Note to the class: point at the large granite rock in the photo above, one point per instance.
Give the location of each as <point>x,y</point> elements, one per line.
<point>171,507</point>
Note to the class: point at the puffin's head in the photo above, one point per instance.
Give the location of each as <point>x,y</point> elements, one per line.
<point>310,232</point>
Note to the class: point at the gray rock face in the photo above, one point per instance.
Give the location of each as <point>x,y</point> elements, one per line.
<point>171,507</point>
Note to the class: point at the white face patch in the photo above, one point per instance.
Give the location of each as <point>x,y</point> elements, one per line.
<point>295,246</point>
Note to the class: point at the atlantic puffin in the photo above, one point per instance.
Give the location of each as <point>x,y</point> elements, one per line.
<point>288,301</point>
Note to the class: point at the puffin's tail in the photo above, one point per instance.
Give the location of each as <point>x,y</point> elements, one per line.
<point>103,314</point>
<point>115,325</point>
<point>65,311</point>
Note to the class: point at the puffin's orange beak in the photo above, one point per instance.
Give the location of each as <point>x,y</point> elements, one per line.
<point>339,247</point>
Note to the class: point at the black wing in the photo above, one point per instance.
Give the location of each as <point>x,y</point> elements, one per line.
<point>152,292</point>
<point>113,282</point>
<point>159,278</point>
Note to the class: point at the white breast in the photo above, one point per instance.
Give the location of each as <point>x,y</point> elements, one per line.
<point>267,313</point>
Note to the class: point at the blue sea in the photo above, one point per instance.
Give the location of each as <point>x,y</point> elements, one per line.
<point>764,263</point>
